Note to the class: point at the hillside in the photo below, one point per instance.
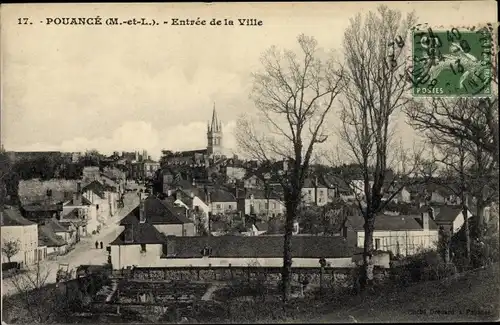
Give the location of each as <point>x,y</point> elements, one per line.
<point>474,296</point>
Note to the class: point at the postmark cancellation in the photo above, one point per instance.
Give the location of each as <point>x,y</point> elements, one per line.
<point>452,62</point>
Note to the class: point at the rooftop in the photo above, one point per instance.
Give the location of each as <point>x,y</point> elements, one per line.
<point>140,233</point>
<point>12,217</point>
<point>391,223</point>
<point>260,246</point>
<point>156,212</point>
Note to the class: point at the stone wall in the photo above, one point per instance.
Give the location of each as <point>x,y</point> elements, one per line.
<point>338,277</point>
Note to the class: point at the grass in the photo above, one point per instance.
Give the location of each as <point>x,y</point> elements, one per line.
<point>472,296</point>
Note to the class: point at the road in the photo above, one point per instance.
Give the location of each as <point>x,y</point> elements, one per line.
<point>84,252</point>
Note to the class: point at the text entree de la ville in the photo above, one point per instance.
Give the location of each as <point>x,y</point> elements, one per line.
<point>153,22</point>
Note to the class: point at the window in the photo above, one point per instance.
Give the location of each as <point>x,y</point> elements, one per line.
<point>143,248</point>
<point>207,251</point>
<point>310,192</point>
<point>229,206</point>
<point>217,206</point>
<point>377,244</point>
<point>184,232</point>
<point>274,205</point>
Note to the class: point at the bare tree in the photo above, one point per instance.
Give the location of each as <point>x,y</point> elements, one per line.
<point>473,120</point>
<point>293,95</point>
<point>10,248</point>
<point>34,295</point>
<point>375,92</point>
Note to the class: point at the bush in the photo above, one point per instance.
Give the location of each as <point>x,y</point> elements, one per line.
<point>424,266</point>
<point>483,251</point>
<point>93,232</point>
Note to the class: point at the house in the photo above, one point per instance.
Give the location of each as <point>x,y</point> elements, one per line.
<point>16,229</point>
<point>82,212</point>
<point>358,187</point>
<point>222,201</point>
<point>265,204</point>
<point>75,221</point>
<point>315,191</point>
<point>167,219</point>
<point>42,210</point>
<point>90,173</point>
<point>440,194</point>
<point>234,173</point>
<point>64,230</point>
<point>450,217</point>
<point>337,187</point>
<point>146,247</point>
<point>402,196</point>
<point>401,234</point>
<point>104,197</point>
<point>191,201</point>
<point>150,167</point>
<point>55,244</point>
<point>252,181</point>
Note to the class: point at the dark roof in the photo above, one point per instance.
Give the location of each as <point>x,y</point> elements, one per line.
<point>86,201</point>
<point>260,194</point>
<point>56,197</point>
<point>312,182</point>
<point>95,187</point>
<point>156,212</point>
<point>448,213</point>
<point>56,226</point>
<point>12,217</point>
<point>185,197</point>
<point>337,182</point>
<point>391,223</point>
<point>47,237</point>
<point>219,195</point>
<point>142,233</point>
<point>260,246</point>
<point>43,206</point>
<point>73,214</point>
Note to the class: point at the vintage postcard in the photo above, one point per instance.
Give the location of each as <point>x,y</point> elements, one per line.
<point>249,162</point>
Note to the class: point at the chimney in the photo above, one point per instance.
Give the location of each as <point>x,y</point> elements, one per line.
<point>425,220</point>
<point>191,195</point>
<point>170,246</point>
<point>169,193</point>
<point>142,212</point>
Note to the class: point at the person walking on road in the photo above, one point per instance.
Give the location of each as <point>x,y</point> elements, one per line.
<point>96,244</point>
<point>102,245</point>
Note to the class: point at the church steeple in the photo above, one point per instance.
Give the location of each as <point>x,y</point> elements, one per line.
<point>216,125</point>
<point>214,134</point>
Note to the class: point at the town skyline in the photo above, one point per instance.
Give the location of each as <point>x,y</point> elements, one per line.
<point>128,92</point>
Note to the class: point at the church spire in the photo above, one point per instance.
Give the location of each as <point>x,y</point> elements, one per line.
<point>215,127</point>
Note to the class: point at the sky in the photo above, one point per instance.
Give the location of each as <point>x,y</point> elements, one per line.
<point>126,88</point>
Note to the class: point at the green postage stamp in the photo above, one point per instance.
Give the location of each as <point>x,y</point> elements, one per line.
<point>454,62</point>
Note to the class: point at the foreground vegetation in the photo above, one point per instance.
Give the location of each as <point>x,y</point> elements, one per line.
<point>471,295</point>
